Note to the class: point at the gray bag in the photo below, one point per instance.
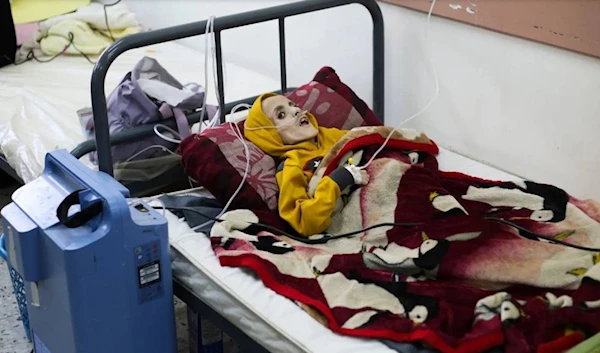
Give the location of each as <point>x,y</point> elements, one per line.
<point>147,95</point>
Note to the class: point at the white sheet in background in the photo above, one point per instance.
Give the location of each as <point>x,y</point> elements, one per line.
<point>39,102</point>
<point>29,128</point>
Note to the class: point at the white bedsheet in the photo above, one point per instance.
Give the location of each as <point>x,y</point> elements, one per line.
<point>270,319</point>
<point>38,102</point>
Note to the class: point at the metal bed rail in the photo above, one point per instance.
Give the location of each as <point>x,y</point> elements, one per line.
<point>102,137</point>
<point>142,131</point>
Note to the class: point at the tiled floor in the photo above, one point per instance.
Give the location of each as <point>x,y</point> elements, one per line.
<point>12,334</point>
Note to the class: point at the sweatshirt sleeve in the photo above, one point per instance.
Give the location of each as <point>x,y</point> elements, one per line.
<point>309,215</point>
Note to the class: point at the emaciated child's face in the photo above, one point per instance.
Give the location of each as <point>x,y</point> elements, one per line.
<point>291,121</point>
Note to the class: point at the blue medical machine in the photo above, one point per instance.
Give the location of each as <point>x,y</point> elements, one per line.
<point>95,264</point>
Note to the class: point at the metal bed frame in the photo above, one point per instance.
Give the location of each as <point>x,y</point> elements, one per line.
<point>280,13</point>
<point>104,141</point>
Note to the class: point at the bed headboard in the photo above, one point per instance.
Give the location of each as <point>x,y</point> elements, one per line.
<point>102,138</point>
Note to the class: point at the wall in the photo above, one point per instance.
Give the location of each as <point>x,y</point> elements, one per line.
<point>523,107</point>
<point>571,24</point>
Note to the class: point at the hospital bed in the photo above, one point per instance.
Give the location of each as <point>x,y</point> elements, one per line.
<point>238,301</point>
<point>234,299</point>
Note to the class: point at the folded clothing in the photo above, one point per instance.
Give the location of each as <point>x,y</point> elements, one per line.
<point>118,22</point>
<point>84,39</point>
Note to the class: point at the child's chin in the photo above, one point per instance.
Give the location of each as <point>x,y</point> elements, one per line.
<point>309,132</point>
<point>302,134</point>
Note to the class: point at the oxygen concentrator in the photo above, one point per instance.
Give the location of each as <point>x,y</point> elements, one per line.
<point>95,264</point>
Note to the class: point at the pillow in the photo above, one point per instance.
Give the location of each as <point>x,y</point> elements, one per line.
<point>216,158</point>
<point>332,102</point>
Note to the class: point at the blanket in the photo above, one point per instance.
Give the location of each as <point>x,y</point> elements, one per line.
<point>461,264</point>
<point>87,25</point>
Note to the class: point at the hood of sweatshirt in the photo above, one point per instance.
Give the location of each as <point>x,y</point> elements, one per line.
<point>259,130</point>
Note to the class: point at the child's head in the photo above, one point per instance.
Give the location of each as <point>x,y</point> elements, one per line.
<point>277,125</point>
<point>291,121</point>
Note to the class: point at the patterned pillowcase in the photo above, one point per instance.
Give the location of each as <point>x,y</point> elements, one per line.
<point>333,103</point>
<point>216,159</point>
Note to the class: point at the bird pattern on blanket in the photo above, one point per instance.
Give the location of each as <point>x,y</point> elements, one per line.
<point>475,265</point>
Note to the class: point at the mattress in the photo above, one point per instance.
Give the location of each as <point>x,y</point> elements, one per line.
<point>274,321</point>
<point>39,101</point>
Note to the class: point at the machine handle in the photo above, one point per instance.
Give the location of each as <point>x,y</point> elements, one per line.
<point>3,253</point>
<point>81,217</point>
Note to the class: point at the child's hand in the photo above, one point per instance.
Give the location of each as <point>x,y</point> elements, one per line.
<point>364,177</point>
<point>360,176</point>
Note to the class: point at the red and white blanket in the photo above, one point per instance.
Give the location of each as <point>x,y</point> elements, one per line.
<point>471,273</point>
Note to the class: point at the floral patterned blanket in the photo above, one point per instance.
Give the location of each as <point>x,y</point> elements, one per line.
<point>469,265</point>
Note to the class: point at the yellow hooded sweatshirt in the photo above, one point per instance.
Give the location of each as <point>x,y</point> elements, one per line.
<point>297,163</point>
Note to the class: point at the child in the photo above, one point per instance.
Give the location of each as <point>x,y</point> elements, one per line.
<point>281,129</point>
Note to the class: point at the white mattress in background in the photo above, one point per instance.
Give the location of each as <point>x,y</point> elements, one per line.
<point>270,319</point>
<point>38,102</point>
